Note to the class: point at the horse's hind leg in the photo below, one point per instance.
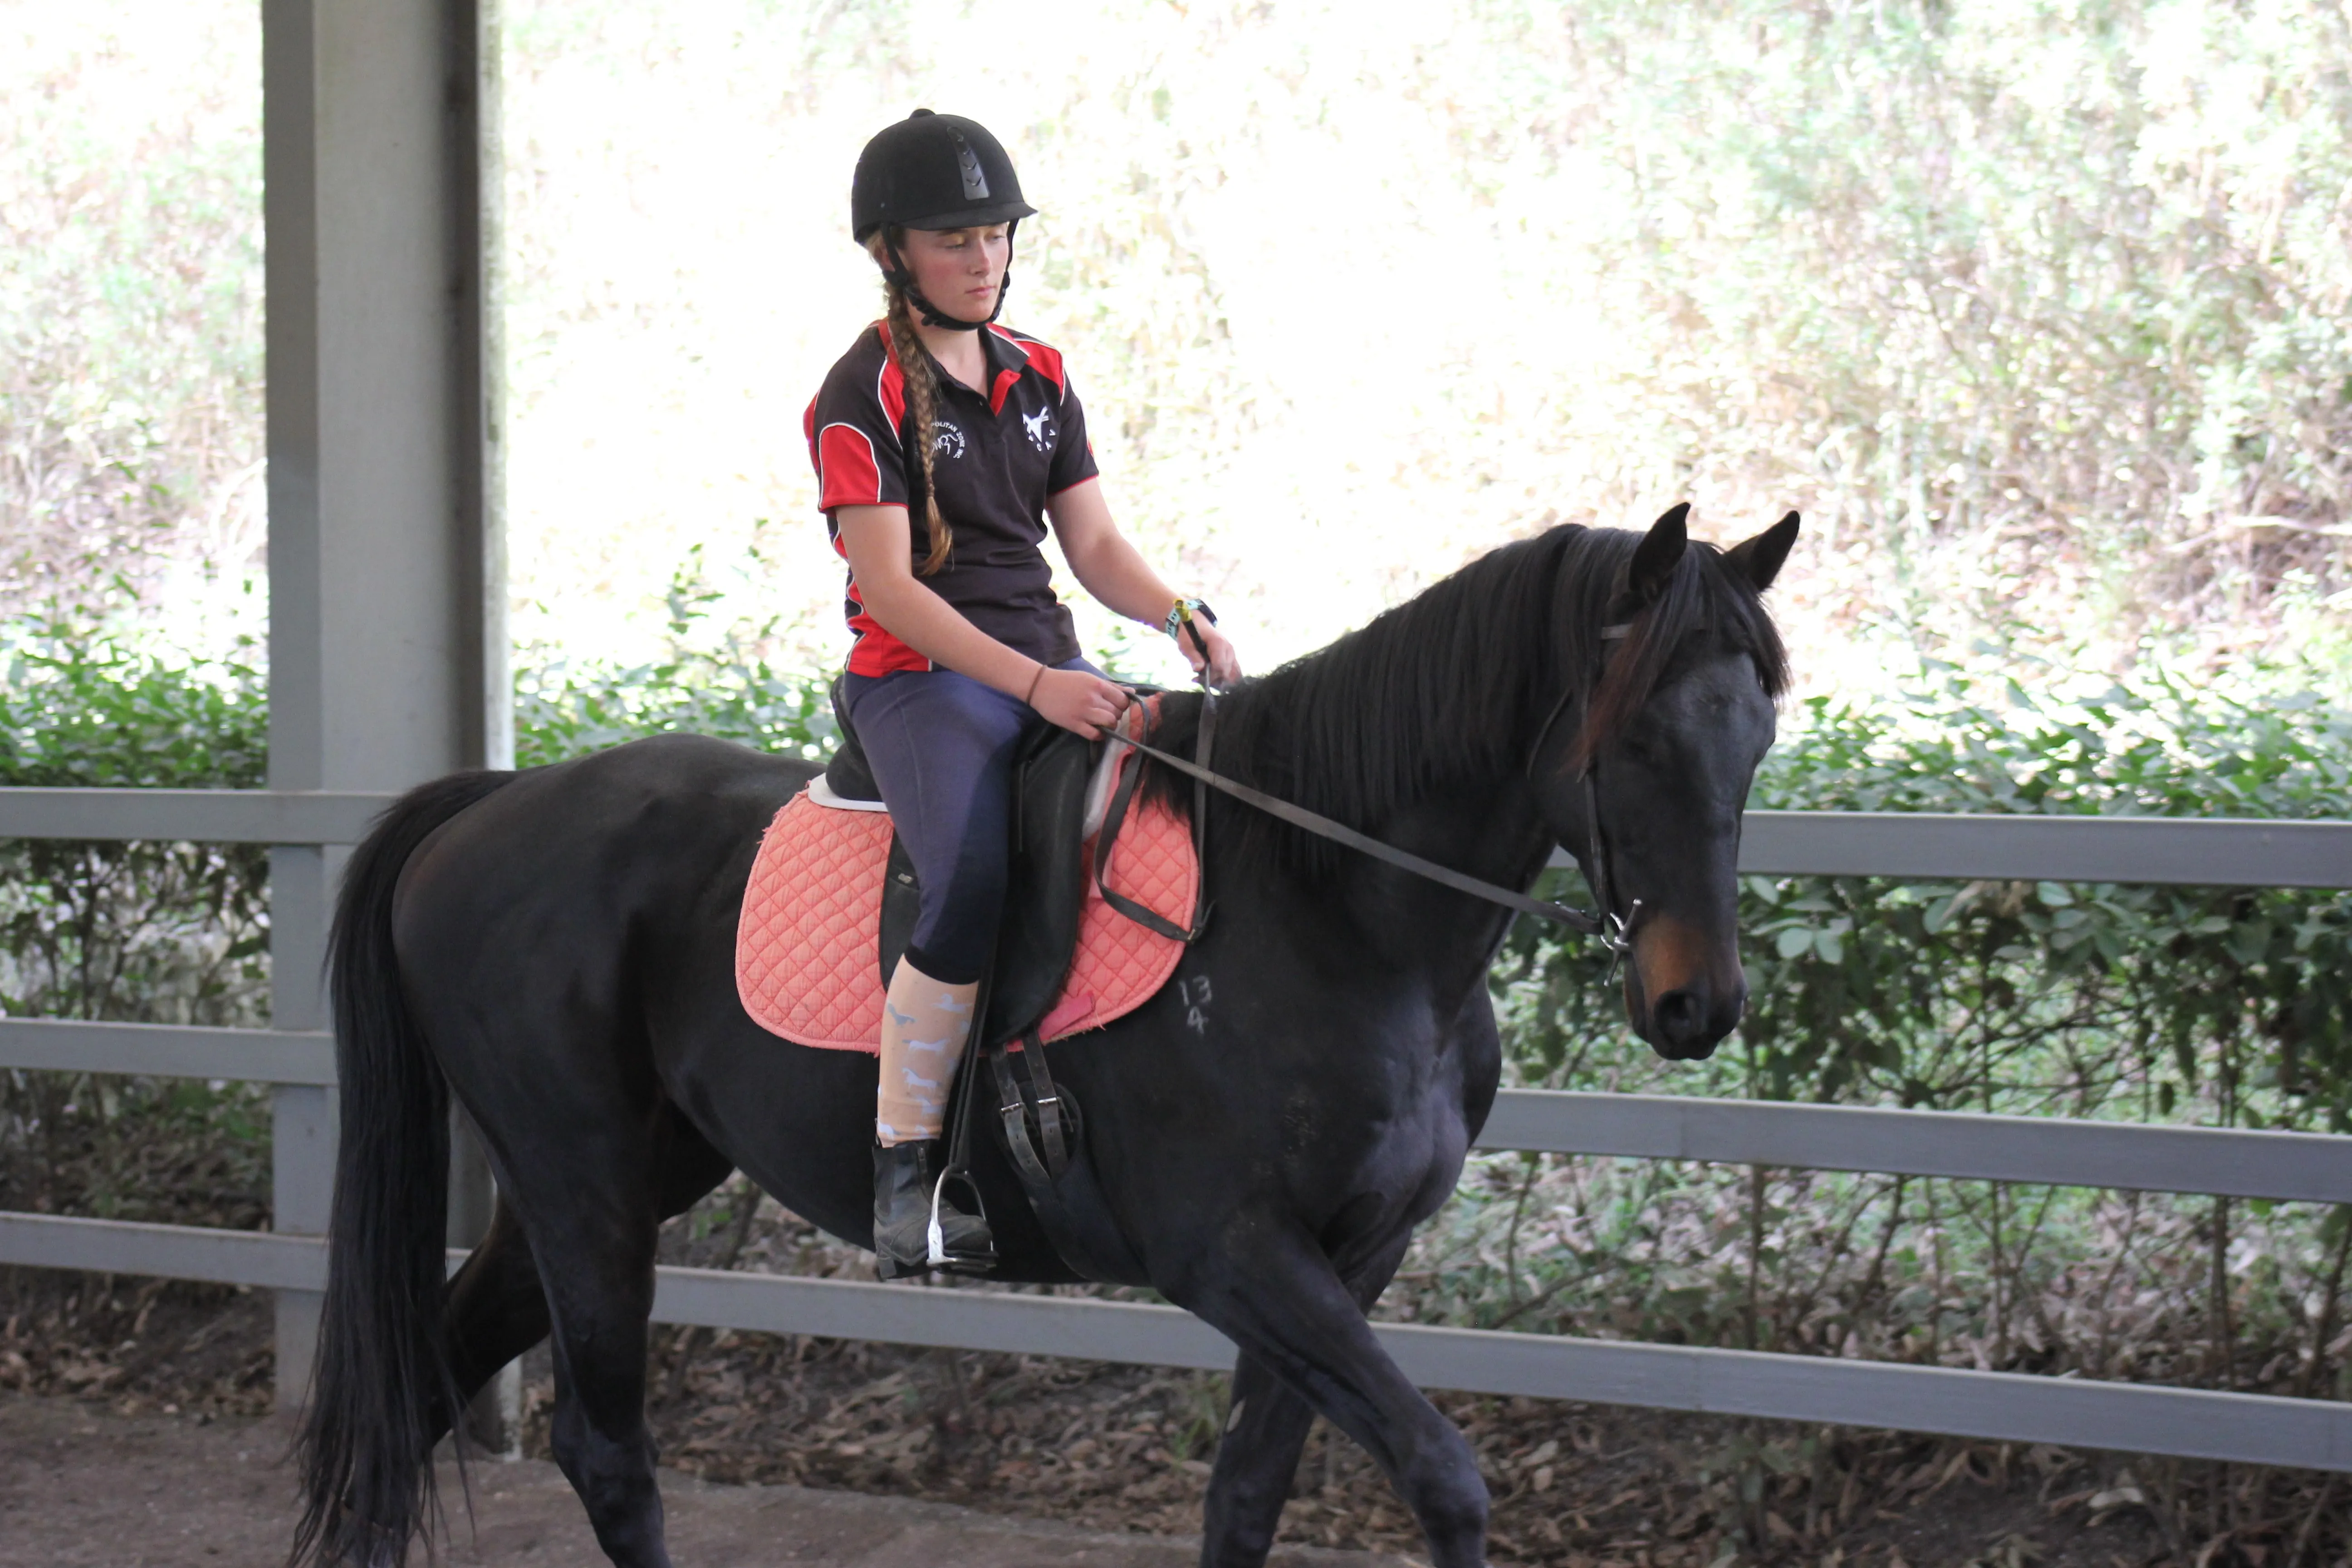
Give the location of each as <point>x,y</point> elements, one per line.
<point>497,1309</point>
<point>1259,1458</point>
<point>589,1195</point>
<point>1277,1296</point>
<point>600,1295</point>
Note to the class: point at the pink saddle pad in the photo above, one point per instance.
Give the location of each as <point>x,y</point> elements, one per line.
<point>807,957</point>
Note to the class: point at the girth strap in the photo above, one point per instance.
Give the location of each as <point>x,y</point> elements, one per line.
<point>1017,1103</point>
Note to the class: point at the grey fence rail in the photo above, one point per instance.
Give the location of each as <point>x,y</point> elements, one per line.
<point>1919,844</point>
<point>2188,1423</point>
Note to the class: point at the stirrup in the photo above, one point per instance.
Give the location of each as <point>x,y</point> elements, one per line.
<point>931,1249</point>
<point>941,1257</point>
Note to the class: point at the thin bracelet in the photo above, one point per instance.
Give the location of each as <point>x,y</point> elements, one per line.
<point>1027,696</point>
<point>1184,610</point>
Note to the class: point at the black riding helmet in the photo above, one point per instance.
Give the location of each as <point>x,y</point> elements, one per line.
<point>934,172</point>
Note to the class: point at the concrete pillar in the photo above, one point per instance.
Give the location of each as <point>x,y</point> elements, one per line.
<point>387,648</point>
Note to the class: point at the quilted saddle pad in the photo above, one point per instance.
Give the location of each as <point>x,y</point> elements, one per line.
<point>807,950</point>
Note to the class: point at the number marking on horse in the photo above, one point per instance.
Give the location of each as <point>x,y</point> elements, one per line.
<point>1195,996</point>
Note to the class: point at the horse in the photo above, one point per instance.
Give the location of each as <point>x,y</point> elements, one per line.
<point>554,949</point>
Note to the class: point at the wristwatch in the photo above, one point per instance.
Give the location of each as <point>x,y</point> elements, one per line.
<point>1184,610</point>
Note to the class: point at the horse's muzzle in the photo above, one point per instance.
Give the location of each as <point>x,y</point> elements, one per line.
<point>1683,993</point>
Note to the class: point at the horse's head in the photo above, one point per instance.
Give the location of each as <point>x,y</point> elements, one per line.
<point>1643,771</point>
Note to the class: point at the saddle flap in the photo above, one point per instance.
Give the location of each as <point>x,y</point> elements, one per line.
<point>1045,893</point>
<point>902,906</point>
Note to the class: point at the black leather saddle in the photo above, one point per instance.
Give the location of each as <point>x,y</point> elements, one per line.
<point>1045,894</point>
<point>1037,1121</point>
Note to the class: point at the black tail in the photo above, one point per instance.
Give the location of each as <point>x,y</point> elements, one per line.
<point>381,1389</point>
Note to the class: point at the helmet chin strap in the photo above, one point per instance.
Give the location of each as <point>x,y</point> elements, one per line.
<point>903,276</point>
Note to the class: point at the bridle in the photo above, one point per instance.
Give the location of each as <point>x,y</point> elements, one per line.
<point>1617,931</point>
<point>1614,931</point>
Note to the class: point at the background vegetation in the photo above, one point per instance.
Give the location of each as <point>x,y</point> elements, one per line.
<point>131,315</point>
<point>2036,307</point>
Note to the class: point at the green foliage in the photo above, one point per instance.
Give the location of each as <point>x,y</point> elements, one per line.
<point>2145,1002</point>
<point>2136,1000</point>
<point>708,685</point>
<point>129,929</point>
<point>154,933</point>
<point>565,710</point>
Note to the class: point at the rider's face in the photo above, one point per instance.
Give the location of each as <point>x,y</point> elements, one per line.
<point>958,270</point>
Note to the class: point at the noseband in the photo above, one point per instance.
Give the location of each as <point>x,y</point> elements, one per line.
<point>1615,931</point>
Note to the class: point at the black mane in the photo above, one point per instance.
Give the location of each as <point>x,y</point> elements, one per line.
<point>1454,682</point>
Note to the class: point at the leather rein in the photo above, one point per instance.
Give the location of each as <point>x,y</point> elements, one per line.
<point>1615,931</point>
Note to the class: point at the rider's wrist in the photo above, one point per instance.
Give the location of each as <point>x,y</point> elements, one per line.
<point>1184,610</point>
<point>1036,675</point>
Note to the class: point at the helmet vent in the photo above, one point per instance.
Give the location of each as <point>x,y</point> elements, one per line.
<point>975,183</point>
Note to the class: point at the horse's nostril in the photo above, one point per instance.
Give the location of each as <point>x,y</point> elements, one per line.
<point>1680,1014</point>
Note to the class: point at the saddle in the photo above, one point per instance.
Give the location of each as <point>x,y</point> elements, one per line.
<point>1084,942</point>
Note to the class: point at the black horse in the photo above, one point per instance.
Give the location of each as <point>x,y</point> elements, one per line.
<point>555,948</point>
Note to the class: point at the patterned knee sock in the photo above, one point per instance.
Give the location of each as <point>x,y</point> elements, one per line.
<point>924,1025</point>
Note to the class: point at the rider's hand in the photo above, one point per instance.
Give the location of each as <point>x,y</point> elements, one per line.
<point>1079,700</point>
<point>1225,663</point>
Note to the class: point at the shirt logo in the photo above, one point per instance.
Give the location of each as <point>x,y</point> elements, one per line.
<point>1041,429</point>
<point>947,441</point>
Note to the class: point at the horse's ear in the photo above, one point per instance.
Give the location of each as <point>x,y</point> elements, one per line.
<point>1760,558</point>
<point>1654,560</point>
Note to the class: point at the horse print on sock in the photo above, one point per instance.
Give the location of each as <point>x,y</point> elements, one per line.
<point>556,948</point>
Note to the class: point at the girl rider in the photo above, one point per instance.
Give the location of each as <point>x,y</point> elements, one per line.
<point>943,443</point>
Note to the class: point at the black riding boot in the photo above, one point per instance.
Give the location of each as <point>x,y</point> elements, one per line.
<point>904,1175</point>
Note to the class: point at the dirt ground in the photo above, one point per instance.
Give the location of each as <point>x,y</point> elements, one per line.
<point>81,1487</point>
<point>171,1380</point>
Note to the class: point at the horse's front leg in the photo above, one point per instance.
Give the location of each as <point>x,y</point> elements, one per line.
<point>1275,1294</point>
<point>1257,1462</point>
<point>1258,1459</point>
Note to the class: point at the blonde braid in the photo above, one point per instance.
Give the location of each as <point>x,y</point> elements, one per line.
<point>922,401</point>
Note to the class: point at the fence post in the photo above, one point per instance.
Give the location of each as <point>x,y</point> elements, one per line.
<point>386,582</point>
<point>302,1120</point>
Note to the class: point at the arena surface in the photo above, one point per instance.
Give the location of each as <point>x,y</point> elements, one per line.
<point>82,1488</point>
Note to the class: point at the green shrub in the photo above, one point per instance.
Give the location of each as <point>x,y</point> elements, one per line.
<point>714,682</point>
<point>110,929</point>
<point>153,932</point>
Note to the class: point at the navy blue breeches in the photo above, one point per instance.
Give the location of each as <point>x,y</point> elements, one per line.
<point>942,747</point>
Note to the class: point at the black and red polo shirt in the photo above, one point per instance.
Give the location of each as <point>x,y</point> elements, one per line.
<point>996,458</point>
